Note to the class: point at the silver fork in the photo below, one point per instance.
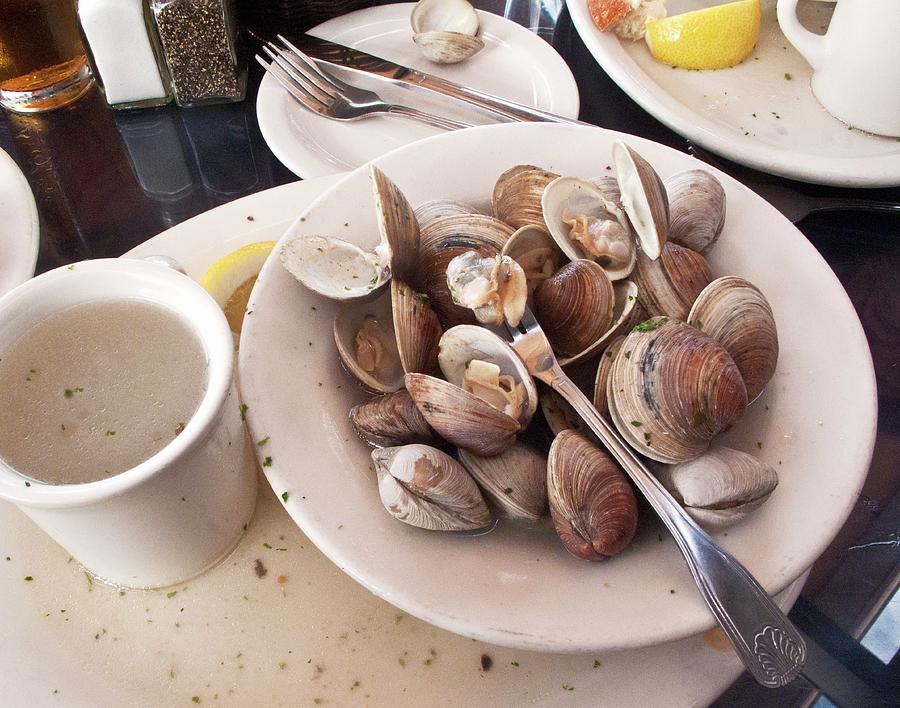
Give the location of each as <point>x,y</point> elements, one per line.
<point>765,639</point>
<point>330,97</point>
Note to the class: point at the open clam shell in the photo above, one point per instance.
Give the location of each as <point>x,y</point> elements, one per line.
<point>696,209</point>
<point>721,487</point>
<point>337,269</point>
<point>536,252</point>
<point>669,285</point>
<point>397,226</point>
<point>433,209</point>
<point>417,329</point>
<point>516,199</point>
<point>445,238</point>
<point>575,306</point>
<point>627,312</point>
<point>389,421</point>
<point>736,314</point>
<point>445,30</point>
<point>587,223</point>
<point>460,417</point>
<point>466,343</point>
<point>558,412</point>
<point>424,487</point>
<point>515,481</point>
<point>367,344</point>
<point>643,198</point>
<point>592,504</point>
<point>672,389</point>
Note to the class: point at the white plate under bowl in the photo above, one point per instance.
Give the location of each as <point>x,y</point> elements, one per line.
<point>521,588</point>
<point>752,113</point>
<point>515,64</point>
<point>18,226</point>
<point>234,637</point>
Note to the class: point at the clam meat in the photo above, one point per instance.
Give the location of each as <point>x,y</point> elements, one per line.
<point>495,289</point>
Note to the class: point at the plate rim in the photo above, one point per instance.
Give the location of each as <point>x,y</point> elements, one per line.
<point>879,171</point>
<point>23,192</point>
<point>267,108</point>
<point>318,535</point>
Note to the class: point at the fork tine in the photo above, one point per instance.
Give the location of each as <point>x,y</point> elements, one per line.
<point>299,73</point>
<point>291,86</point>
<point>528,320</point>
<point>311,65</point>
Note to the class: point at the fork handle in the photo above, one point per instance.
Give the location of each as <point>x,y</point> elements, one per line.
<point>429,118</point>
<point>765,639</point>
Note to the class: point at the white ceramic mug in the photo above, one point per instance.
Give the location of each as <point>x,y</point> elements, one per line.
<point>856,64</point>
<point>183,509</point>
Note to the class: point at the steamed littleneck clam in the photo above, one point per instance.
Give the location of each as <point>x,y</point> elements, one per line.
<point>515,481</point>
<point>343,271</point>
<point>487,398</point>
<point>494,288</point>
<point>389,421</point>
<point>424,487</point>
<point>367,344</point>
<point>696,209</point>
<point>721,487</point>
<point>516,199</point>
<point>643,198</point>
<point>669,284</point>
<point>592,504</point>
<point>672,389</point>
<point>586,223</point>
<point>534,249</point>
<point>446,30</point>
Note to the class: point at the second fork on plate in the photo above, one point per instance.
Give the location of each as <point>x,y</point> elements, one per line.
<point>328,96</point>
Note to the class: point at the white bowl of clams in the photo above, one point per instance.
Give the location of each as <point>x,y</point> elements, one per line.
<point>412,447</point>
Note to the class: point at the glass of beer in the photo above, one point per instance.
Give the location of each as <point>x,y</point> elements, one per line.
<point>42,60</point>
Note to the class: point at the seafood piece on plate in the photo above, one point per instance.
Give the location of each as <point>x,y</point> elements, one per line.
<point>389,421</point>
<point>514,481</point>
<point>417,328</point>
<point>367,344</point>
<point>443,239</point>
<point>696,209</point>
<point>424,487</point>
<point>626,18</point>
<point>534,249</point>
<point>433,209</point>
<point>446,30</point>
<point>672,389</point>
<point>587,223</point>
<point>494,288</point>
<point>736,314</point>
<point>670,284</point>
<point>592,504</point>
<point>643,197</point>
<point>343,271</point>
<point>721,487</point>
<point>516,198</point>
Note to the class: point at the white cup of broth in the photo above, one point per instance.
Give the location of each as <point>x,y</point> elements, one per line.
<point>121,432</point>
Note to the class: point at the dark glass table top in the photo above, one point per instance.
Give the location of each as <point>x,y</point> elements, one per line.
<point>105,181</point>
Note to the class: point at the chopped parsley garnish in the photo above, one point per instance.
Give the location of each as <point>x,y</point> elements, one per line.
<point>650,325</point>
<point>243,409</point>
<point>508,490</point>
<point>262,442</point>
<point>267,462</point>
<point>636,423</point>
<point>28,578</point>
<point>284,496</point>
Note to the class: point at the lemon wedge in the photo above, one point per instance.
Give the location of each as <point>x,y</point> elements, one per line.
<point>231,278</point>
<point>713,38</point>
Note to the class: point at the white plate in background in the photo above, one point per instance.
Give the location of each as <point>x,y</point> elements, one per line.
<point>752,113</point>
<point>515,64</point>
<point>518,588</point>
<point>19,226</point>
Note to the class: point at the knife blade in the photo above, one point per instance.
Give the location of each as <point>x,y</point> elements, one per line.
<point>331,54</point>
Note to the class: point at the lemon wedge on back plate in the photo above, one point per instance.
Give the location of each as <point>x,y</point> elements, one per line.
<point>712,38</point>
<point>231,278</point>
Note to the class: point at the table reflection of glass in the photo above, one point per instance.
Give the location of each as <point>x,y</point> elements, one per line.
<point>105,182</point>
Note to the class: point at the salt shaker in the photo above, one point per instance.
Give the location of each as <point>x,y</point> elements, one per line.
<point>124,52</point>
<point>199,40</point>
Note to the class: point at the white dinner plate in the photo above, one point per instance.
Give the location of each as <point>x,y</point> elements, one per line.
<point>19,226</point>
<point>517,587</point>
<point>232,638</point>
<point>515,64</point>
<point>761,113</point>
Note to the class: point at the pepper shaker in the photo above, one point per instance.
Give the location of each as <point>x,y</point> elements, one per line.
<point>124,52</point>
<point>200,47</point>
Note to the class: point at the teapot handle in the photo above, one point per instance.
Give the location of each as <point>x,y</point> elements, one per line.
<point>809,44</point>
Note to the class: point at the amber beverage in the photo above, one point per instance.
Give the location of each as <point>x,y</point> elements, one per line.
<point>42,58</point>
